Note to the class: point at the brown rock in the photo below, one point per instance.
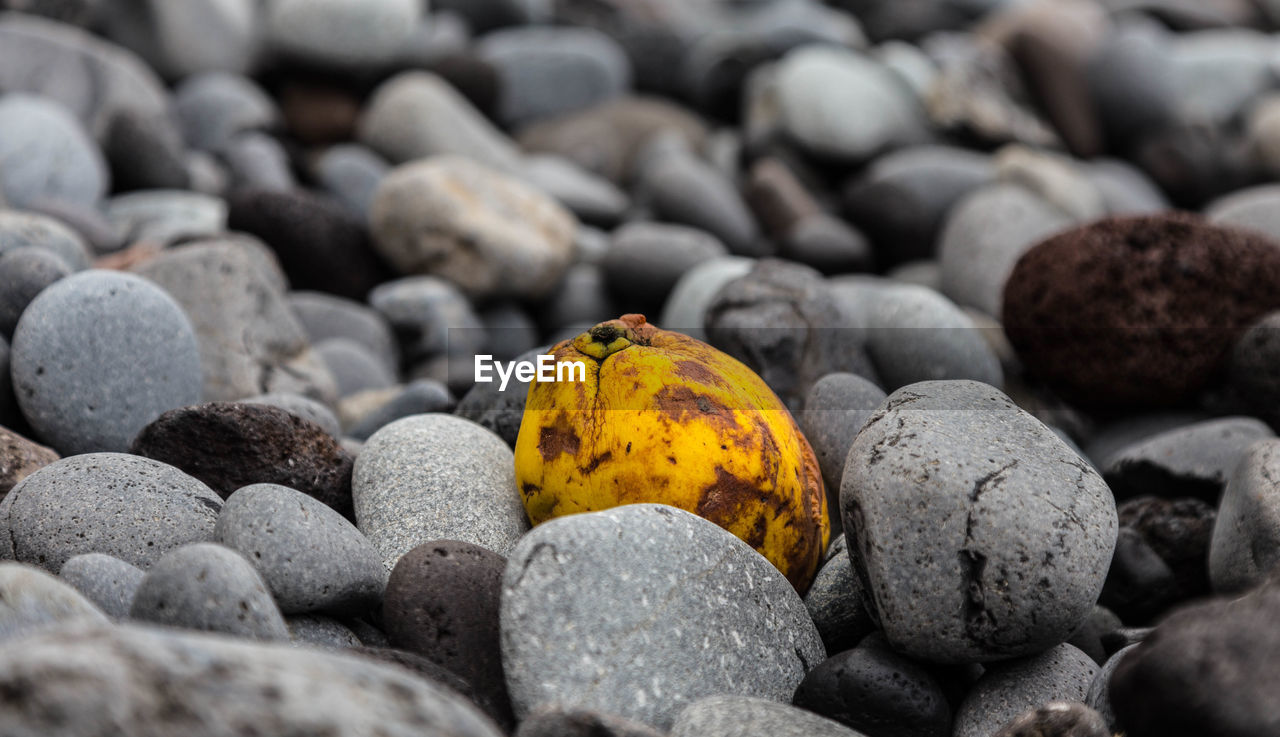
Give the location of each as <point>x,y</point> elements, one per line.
<point>228,445</point>
<point>777,197</point>
<point>1057,719</point>
<point>317,114</point>
<point>19,458</point>
<point>1137,310</point>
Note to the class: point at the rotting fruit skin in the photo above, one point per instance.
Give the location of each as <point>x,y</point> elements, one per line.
<point>668,419</point>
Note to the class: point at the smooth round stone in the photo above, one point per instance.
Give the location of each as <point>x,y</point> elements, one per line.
<point>1124,188</point>
<point>1099,695</point>
<point>429,315</point>
<point>31,599</point>
<point>1249,367</point>
<point>19,457</point>
<point>310,558</point>
<point>418,397</point>
<point>646,260</point>
<point>441,602</point>
<point>436,477</point>
<point>189,36</point>
<point>19,229</point>
<point>1074,303</point>
<point>733,716</point>
<point>165,216</point>
<point>1007,530</point>
<point>682,188</point>
<point>277,688</point>
<point>1246,536</point>
<point>319,631</point>
<point>1131,82</point>
<point>835,601</point>
<point>75,12</point>
<point>835,409</point>
<point>587,195</point>
<point>347,34</point>
<point>354,367</point>
<point>874,690</point>
<point>1055,177</point>
<point>216,106</point>
<point>1194,460</point>
<point>351,174</point>
<point>82,347</point>
<point>1253,208</point>
<point>843,106</point>
<point>487,233</point>
<point>250,343</point>
<point>828,244</point>
<point>24,273</point>
<point>326,316</point>
<point>108,582</point>
<point>686,307</point>
<point>985,235</point>
<point>914,334</point>
<point>1262,133</point>
<point>258,161</point>
<point>300,406</point>
<point>1101,623</point>
<point>105,503</point>
<point>548,71</point>
<point>47,154</point>
<point>229,445</point>
<point>145,153</point>
<point>500,411</point>
<point>1217,73</point>
<point>582,298</point>
<point>1008,689</point>
<point>693,612</point>
<point>392,124</point>
<point>211,588</point>
<point>570,722</point>
<point>1057,718</point>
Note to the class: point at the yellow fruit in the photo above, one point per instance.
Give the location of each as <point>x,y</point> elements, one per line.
<point>667,419</point>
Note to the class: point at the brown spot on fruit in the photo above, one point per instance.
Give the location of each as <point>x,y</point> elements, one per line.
<point>678,401</point>
<point>721,499</point>
<point>698,372</point>
<point>595,462</point>
<point>559,438</point>
<point>755,538</point>
<point>530,489</point>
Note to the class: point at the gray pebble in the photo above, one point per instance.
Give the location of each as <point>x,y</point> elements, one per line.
<point>1216,73</point>
<point>1193,460</point>
<point>835,409</point>
<point>587,195</point>
<point>686,307</point>
<point>747,716</point>
<point>432,477</point>
<point>646,260</point>
<point>1254,208</point>
<point>419,397</point>
<point>307,409</point>
<point>108,582</point>
<point>1125,189</point>
<point>497,410</point>
<point>341,33</point>
<point>309,556</point>
<point>582,298</point>
<point>1057,718</point>
<point>182,38</point>
<point>210,588</point>
<point>215,106</point>
<point>165,216</point>
<point>104,503</point>
<point>1008,533</point>
<point>24,273</point>
<point>691,612</point>
<point>351,173</point>
<point>257,160</point>
<point>316,630</point>
<point>47,154</point>
<point>18,229</point>
<point>1099,695</point>
<point>354,367</point>
<point>1245,546</point>
<point>835,601</point>
<point>1250,368</point>
<point>99,355</point>
<point>1007,689</point>
<point>429,315</point>
<point>682,188</point>
<point>31,599</point>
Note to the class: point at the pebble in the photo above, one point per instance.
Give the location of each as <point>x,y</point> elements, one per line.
<point>165,216</point>
<point>47,154</point>
<point>210,588</point>
<point>1190,461</point>
<point>1248,367</point>
<point>1009,532</point>
<point>687,304</point>
<point>1122,273</point>
<point>215,107</point>
<point>498,411</point>
<point>342,34</point>
<point>645,260</point>
<point>354,367</point>
<point>429,316</point>
<point>108,582</point>
<point>1216,73</point>
<point>491,235</point>
<point>544,72</point>
<point>583,298</point>
<point>1100,623</point>
<point>1059,719</point>
<point>835,409</point>
<point>19,229</point>
<point>1140,584</point>
<point>326,316</point>
<point>145,153</point>
<point>571,722</point>
<point>843,106</point>
<point>836,603</point>
<point>278,689</point>
<point>229,445</point>
<point>418,397</point>
<point>34,600</point>
<point>1246,535</point>
<point>320,631</point>
<point>392,124</point>
<point>257,161</point>
<point>1252,208</point>
<point>182,38</point>
<point>1099,695</point>
<point>737,716</point>
<point>309,556</point>
<point>1124,188</point>
<point>433,477</point>
<point>20,457</point>
<point>80,402</point>
<point>587,195</point>
<point>828,244</point>
<point>24,273</point>
<point>1007,689</point>
<point>682,188</point>
<point>693,612</point>
<point>441,602</point>
<point>351,174</point>
<point>300,406</point>
<point>874,690</point>
<point>250,343</point>
<point>105,503</point>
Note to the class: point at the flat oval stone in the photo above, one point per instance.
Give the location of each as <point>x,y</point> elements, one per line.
<point>1007,532</point>
<point>82,350</point>
<point>692,612</point>
<point>108,582</point>
<point>105,503</point>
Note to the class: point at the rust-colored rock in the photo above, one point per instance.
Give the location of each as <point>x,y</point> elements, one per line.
<point>19,458</point>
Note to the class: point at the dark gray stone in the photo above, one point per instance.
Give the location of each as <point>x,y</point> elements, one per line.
<point>145,153</point>
<point>432,477</point>
<point>1089,638</point>
<point>105,503</point>
<point>219,681</point>
<point>681,188</point>
<point>19,229</point>
<point>97,356</point>
<point>692,612</point>
<point>307,409</point>
<point>211,588</point>
<point>569,722</point>
<point>419,397</point>
<point>310,558</point>
<point>828,244</point>
<point>47,155</point>
<point>1007,689</point>
<point>686,307</point>
<point>1245,547</point>
<point>836,603</point>
<point>108,582</point>
<point>316,630</point>
<point>1250,368</point>
<point>500,411</point>
<point>1194,460</point>
<point>351,173</point>
<point>739,716</point>
<point>835,409</point>
<point>582,298</point>
<point>354,367</point>
<point>1099,695</point>
<point>1007,531</point>
<point>31,599</point>
<point>216,106</point>
<point>645,260</point>
<point>24,273</point>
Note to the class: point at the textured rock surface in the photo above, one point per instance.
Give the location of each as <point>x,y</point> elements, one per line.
<point>20,457</point>
<point>108,582</point>
<point>1194,460</point>
<point>1007,689</point>
<point>731,716</point>
<point>1245,547</point>
<point>692,612</point>
<point>31,599</point>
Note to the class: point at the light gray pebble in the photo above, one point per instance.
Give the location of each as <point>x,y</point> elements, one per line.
<point>1008,689</point>
<point>587,195</point>
<point>106,581</point>
<point>257,160</point>
<point>210,588</point>
<point>343,34</point>
<point>215,106</point>
<point>686,306</point>
<point>31,599</point>
<point>165,216</point>
<point>1193,460</point>
<point>19,228</point>
<point>419,397</point>
<point>429,315</point>
<point>354,367</point>
<point>189,36</point>
<point>47,154</point>
<point>351,173</point>
<point>747,716</point>
<point>835,409</point>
